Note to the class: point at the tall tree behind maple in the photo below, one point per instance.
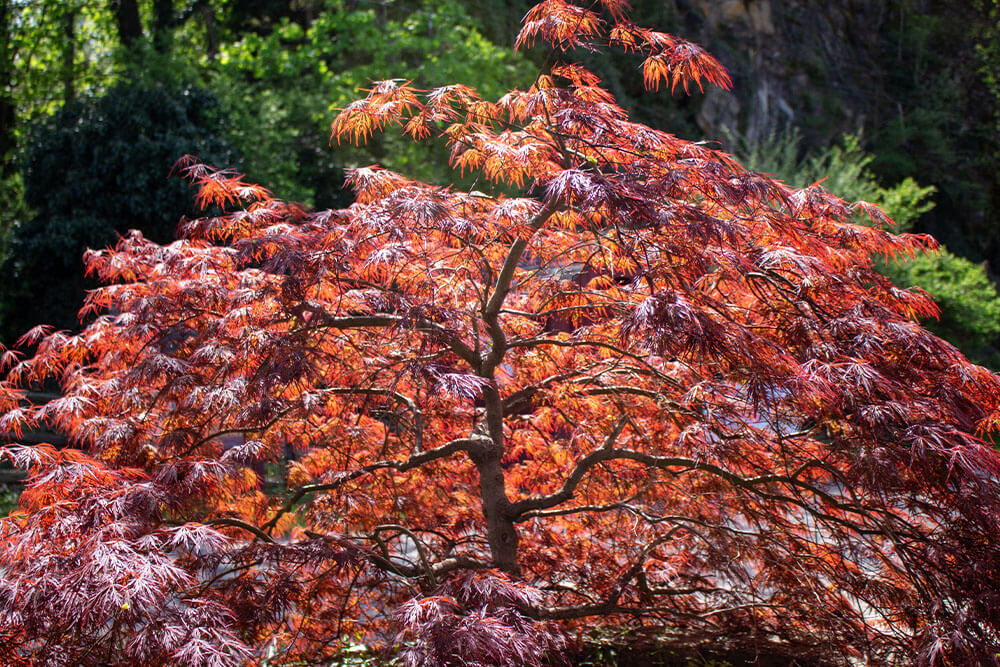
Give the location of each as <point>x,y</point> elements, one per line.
<point>654,389</point>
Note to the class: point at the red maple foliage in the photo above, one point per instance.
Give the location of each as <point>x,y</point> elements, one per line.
<point>652,389</point>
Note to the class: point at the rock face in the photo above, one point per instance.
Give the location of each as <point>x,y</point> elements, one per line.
<point>903,73</point>
<point>794,62</point>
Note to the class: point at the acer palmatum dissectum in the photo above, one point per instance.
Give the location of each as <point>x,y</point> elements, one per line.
<point>651,389</point>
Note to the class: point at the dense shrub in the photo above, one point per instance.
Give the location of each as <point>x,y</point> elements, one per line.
<point>92,171</point>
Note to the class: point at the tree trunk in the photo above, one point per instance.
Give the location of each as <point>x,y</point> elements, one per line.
<point>69,55</point>
<point>163,24</point>
<point>211,31</point>
<point>127,19</point>
<point>501,531</point>
<point>7,110</point>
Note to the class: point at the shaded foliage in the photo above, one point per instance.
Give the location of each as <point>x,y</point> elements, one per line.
<point>93,171</point>
<point>843,168</point>
<point>949,137</point>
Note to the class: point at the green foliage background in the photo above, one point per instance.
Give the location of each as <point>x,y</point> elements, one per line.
<point>918,82</point>
<point>283,89</point>
<point>93,170</point>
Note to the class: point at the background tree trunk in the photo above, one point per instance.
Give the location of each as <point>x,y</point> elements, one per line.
<point>7,107</point>
<point>127,20</point>
<point>69,55</point>
<point>211,30</point>
<point>163,24</point>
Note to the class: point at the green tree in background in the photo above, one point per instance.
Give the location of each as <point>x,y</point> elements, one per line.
<point>988,50</point>
<point>92,171</point>
<point>970,307</point>
<point>281,68</point>
<point>51,52</point>
<point>943,125</point>
<point>282,89</point>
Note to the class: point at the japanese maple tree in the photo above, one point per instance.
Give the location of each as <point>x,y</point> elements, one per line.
<point>644,386</point>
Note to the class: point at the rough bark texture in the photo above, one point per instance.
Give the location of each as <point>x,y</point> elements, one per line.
<point>502,533</point>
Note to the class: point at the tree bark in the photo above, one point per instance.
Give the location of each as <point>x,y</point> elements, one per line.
<point>501,531</point>
<point>211,30</point>
<point>69,55</point>
<point>7,108</point>
<point>163,24</point>
<point>127,20</point>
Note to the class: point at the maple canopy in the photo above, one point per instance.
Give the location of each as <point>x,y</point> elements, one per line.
<point>643,387</point>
